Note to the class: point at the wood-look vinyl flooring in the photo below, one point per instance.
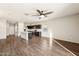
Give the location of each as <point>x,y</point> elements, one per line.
<point>73,47</point>
<point>16,46</point>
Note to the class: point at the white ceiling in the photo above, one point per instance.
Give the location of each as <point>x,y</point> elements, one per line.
<point>15,11</point>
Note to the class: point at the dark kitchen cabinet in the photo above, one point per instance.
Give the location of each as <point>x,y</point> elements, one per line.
<point>34,27</point>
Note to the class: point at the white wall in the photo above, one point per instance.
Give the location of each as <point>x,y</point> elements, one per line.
<point>20,28</point>
<point>45,32</point>
<point>2,29</point>
<point>66,28</point>
<point>9,29</point>
<point>16,29</point>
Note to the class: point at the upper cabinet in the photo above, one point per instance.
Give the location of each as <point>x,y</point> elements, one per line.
<point>34,27</point>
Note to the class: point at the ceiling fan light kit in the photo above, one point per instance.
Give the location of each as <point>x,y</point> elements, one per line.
<point>42,14</point>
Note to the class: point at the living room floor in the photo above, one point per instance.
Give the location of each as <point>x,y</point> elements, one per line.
<point>37,46</point>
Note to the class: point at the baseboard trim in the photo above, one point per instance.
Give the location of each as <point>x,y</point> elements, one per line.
<point>64,48</point>
<point>66,40</point>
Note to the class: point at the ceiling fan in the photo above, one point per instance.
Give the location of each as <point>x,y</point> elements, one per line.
<point>41,13</point>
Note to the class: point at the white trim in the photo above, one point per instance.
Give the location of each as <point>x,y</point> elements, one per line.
<point>64,48</point>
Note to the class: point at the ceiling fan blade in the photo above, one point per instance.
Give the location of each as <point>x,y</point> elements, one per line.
<point>48,13</point>
<point>39,12</point>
